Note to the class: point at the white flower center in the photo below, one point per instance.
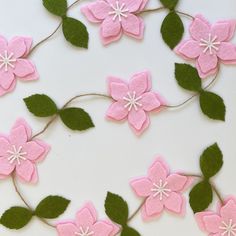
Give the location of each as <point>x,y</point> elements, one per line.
<point>16,155</point>
<point>160,190</point>
<point>84,232</point>
<point>132,101</point>
<point>119,10</point>
<point>228,229</point>
<point>7,61</point>
<point>210,44</point>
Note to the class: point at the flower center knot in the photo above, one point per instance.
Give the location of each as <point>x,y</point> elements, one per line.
<point>160,189</point>
<point>210,44</point>
<point>16,155</point>
<point>7,60</point>
<point>119,11</point>
<point>84,232</point>
<point>132,101</point>
<point>228,229</point>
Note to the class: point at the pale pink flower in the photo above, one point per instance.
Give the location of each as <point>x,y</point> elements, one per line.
<point>161,190</point>
<point>116,17</point>
<point>86,224</point>
<point>19,154</point>
<point>220,223</point>
<point>13,63</point>
<point>133,100</point>
<point>209,45</point>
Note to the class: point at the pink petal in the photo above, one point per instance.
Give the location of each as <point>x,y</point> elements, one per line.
<point>113,79</point>
<point>200,28</point>
<point>132,5</point>
<point>45,147</point>
<point>91,208</point>
<point>25,170</point>
<point>33,150</point>
<point>174,203</point>
<point>143,5</point>
<point>137,118</point>
<point>4,146</point>
<point>6,79</point>
<point>28,44</point>
<point>22,122</point>
<point>157,172</point>
<point>207,62</point>
<point>110,27</point>
<point>228,211</point>
<point>6,168</point>
<point>149,101</point>
<point>101,228</point>
<point>221,31</point>
<point>147,217</point>
<point>66,229</point>
<point>108,40</point>
<point>205,75</point>
<point>23,68</point>
<point>100,9</point>
<point>227,52</point>
<point>232,28</point>
<point>153,206</point>
<point>3,45</point>
<point>17,46</point>
<point>212,223</point>
<point>88,14</point>
<point>176,182</point>
<point>35,177</point>
<point>115,228</point>
<point>31,77</point>
<point>199,218</point>
<point>143,128</point>
<point>142,186</point>
<point>190,49</point>
<point>84,218</point>
<point>117,111</point>
<point>118,90</point>
<point>18,136</point>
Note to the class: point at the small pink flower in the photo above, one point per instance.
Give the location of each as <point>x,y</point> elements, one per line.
<point>133,100</point>
<point>86,224</point>
<point>221,223</point>
<point>13,63</point>
<point>161,190</point>
<point>19,153</point>
<point>116,17</point>
<point>209,45</point>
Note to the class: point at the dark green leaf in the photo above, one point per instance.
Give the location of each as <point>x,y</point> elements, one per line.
<point>56,7</point>
<point>76,119</point>
<point>116,208</point>
<point>75,32</point>
<point>211,161</point>
<point>171,4</point>
<point>172,29</point>
<point>51,207</point>
<point>41,105</point>
<point>187,77</point>
<point>127,231</point>
<point>212,105</point>
<point>16,217</point>
<point>201,196</point>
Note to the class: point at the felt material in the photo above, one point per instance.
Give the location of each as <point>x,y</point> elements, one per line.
<point>215,223</point>
<point>56,7</point>
<point>133,101</point>
<point>169,198</point>
<point>19,154</point>
<point>113,24</point>
<point>128,231</point>
<point>209,45</point>
<point>171,4</point>
<point>86,222</point>
<point>15,65</point>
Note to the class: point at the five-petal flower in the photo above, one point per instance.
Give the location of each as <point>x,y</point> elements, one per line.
<point>19,153</point>
<point>209,45</point>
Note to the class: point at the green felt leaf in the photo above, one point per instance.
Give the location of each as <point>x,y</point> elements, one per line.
<point>51,207</point>
<point>16,217</point>
<point>75,32</point>
<point>187,77</point>
<point>172,29</point>
<point>212,105</point>
<point>201,196</point>
<point>56,7</point>
<point>41,105</point>
<point>127,231</point>
<point>211,161</point>
<point>116,208</point>
<point>76,118</point>
<point>171,4</point>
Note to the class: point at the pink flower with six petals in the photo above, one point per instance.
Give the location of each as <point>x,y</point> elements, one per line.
<point>19,153</point>
<point>13,63</point>
<point>161,190</point>
<point>86,224</point>
<point>221,223</point>
<point>133,100</point>
<point>209,45</point>
<point>116,17</point>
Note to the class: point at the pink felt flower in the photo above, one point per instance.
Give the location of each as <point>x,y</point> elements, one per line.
<point>13,63</point>
<point>221,223</point>
<point>133,100</point>
<point>19,153</point>
<point>86,224</point>
<point>162,190</point>
<point>209,45</point>
<point>116,17</point>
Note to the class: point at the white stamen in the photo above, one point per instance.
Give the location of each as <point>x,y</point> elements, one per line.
<point>132,101</point>
<point>118,11</point>
<point>16,155</point>
<point>210,44</point>
<point>160,190</point>
<point>84,232</point>
<point>228,229</point>
<point>7,60</point>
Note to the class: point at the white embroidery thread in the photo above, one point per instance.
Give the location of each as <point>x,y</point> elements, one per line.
<point>7,60</point>
<point>85,232</point>
<point>16,155</point>
<point>160,190</point>
<point>118,11</point>
<point>210,44</point>
<point>229,229</point>
<point>132,101</point>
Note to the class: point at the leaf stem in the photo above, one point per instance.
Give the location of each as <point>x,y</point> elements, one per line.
<point>137,211</point>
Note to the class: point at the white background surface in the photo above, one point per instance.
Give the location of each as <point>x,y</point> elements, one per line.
<point>84,166</point>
